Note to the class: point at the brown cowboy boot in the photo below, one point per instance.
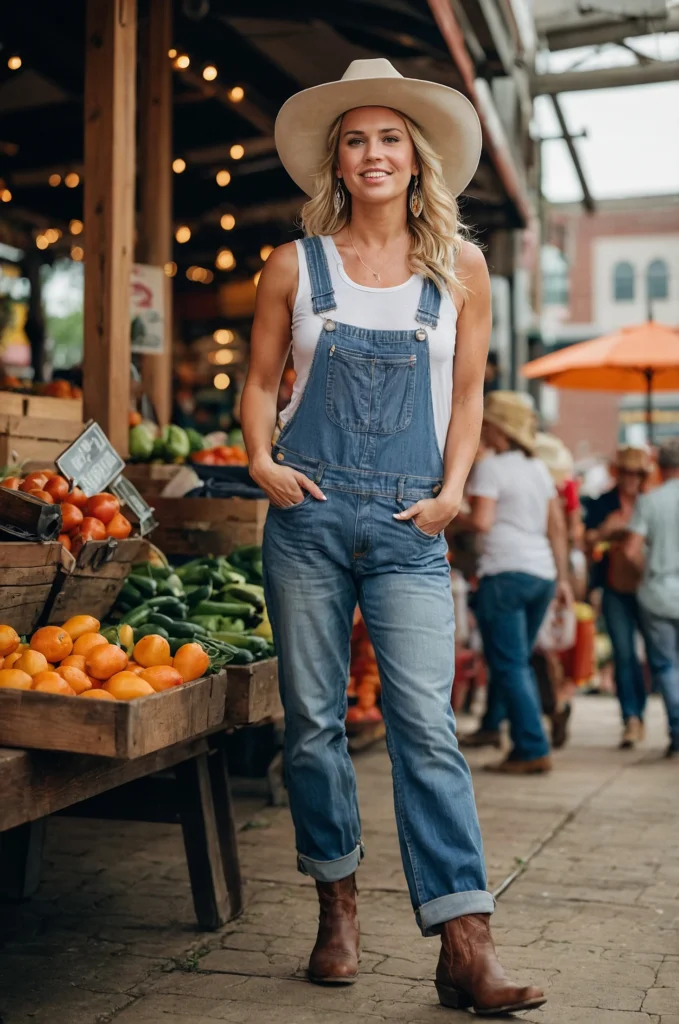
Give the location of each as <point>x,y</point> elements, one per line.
<point>470,974</point>
<point>334,960</point>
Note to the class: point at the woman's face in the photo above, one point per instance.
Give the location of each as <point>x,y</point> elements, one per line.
<point>376,157</point>
<point>630,482</point>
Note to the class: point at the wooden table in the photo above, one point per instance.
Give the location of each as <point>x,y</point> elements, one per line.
<point>36,783</point>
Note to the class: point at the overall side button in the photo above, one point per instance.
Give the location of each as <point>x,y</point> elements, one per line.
<point>420,334</point>
<point>329,325</point>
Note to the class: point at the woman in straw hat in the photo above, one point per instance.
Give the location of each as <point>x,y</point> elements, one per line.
<point>368,469</point>
<point>525,558</point>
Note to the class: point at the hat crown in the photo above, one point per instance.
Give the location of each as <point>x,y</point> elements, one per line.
<point>374,67</point>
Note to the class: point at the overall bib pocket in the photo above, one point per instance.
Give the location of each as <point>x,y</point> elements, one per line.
<point>366,394</point>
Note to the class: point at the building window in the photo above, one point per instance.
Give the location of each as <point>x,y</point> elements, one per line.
<point>623,282</point>
<point>657,279</point>
<point>554,277</point>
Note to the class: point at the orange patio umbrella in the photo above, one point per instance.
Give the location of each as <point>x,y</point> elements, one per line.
<point>642,358</point>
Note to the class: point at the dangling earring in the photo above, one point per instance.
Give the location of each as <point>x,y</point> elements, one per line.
<point>416,203</point>
<point>338,197</point>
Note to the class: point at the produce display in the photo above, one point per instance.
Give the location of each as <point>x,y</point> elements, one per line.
<point>83,518</point>
<point>79,659</point>
<point>175,445</point>
<point>214,602</point>
<point>55,388</point>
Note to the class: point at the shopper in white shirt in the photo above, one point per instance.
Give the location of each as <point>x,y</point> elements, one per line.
<point>524,561</point>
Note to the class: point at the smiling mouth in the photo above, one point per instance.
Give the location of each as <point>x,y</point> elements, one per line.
<point>375,175</point>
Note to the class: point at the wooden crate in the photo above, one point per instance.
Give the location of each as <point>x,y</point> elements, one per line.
<point>91,582</point>
<point>37,428</point>
<point>151,478</point>
<point>124,729</point>
<point>208,526</point>
<point>252,693</point>
<point>28,573</point>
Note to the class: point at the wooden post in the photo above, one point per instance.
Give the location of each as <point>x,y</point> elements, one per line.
<point>110,107</point>
<point>154,244</point>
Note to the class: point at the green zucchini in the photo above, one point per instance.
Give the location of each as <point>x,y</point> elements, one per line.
<point>152,629</point>
<point>137,616</point>
<point>189,630</point>
<point>194,595</point>
<point>246,592</point>
<point>161,620</point>
<point>130,594</point>
<point>255,644</point>
<point>228,609</point>
<point>171,606</point>
<point>146,586</point>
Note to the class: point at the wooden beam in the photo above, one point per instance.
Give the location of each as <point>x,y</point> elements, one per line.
<point>605,78</point>
<point>110,107</point>
<point>154,244</point>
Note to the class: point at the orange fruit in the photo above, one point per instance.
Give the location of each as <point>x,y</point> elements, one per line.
<point>79,624</point>
<point>87,642</point>
<point>12,659</point>
<point>41,495</point>
<point>33,480</point>
<point>74,661</point>
<point>51,682</point>
<point>161,677</point>
<point>64,539</point>
<point>128,686</point>
<point>14,679</point>
<point>52,641</point>
<point>57,487</point>
<point>119,527</point>
<point>104,662</point>
<point>191,662</point>
<point>77,497</point>
<point>71,516</point>
<point>103,506</point>
<point>9,640</point>
<point>76,679</point>
<point>32,662</point>
<point>11,483</point>
<point>97,694</point>
<point>152,650</point>
<point>132,666</point>
<point>2,662</point>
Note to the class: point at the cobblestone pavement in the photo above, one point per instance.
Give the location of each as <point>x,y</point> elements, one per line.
<point>586,863</point>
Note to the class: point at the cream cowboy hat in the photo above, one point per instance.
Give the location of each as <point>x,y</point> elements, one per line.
<point>512,413</point>
<point>446,117</point>
<point>556,457</point>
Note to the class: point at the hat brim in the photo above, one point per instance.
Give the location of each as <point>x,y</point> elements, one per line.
<point>525,437</point>
<point>446,117</point>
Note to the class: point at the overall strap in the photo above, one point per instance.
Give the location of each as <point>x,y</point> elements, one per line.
<point>322,294</point>
<point>430,304</point>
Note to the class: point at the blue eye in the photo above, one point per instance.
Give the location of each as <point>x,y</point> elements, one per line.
<point>391,138</point>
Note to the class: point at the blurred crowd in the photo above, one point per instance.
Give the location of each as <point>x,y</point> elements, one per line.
<point>566,577</point>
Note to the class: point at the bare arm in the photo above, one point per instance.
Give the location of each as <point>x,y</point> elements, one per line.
<point>270,344</point>
<point>471,352</point>
<point>481,517</point>
<point>634,550</point>
<point>557,534</point>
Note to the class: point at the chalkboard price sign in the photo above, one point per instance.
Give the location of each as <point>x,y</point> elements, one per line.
<point>127,494</point>
<point>91,462</point>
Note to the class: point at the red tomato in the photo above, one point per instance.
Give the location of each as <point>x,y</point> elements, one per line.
<point>103,506</point>
<point>57,487</point>
<point>71,517</point>
<point>77,498</point>
<point>119,527</point>
<point>33,480</point>
<point>41,495</point>
<point>205,458</point>
<point>64,539</point>
<point>11,483</point>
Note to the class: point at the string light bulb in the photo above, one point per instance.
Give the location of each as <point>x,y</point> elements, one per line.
<point>41,242</point>
<point>72,180</point>
<point>52,235</point>
<point>182,62</point>
<point>179,165</point>
<point>54,180</point>
<point>222,357</point>
<point>172,53</point>
<point>170,268</point>
<point>225,260</point>
<point>223,178</point>
<point>237,152</point>
<point>236,94</point>
<point>265,252</point>
<point>223,336</point>
<point>228,221</point>
<point>77,253</point>
<point>14,63</point>
<point>221,381</point>
<point>210,73</point>
<point>6,195</point>
<point>76,227</point>
<point>183,234</point>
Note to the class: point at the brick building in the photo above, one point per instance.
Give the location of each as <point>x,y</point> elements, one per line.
<point>600,272</point>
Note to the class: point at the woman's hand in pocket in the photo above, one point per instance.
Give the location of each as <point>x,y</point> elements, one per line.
<point>430,515</point>
<point>284,486</point>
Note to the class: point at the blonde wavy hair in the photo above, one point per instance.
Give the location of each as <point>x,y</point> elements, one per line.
<point>436,236</point>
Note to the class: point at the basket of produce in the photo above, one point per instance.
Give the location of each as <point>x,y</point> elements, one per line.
<point>88,689</point>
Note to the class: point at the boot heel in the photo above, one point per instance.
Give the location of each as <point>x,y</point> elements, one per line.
<point>453,998</point>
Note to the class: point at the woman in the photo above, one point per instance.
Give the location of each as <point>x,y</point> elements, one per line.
<point>367,471</point>
<point>515,505</point>
<point>606,522</point>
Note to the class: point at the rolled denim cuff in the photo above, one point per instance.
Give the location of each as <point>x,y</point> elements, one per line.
<point>331,870</point>
<point>430,916</point>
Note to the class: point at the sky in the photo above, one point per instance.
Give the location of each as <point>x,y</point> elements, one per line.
<point>632,144</point>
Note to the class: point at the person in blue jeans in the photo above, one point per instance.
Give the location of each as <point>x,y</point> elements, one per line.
<point>388,308</point>
<point>607,520</point>
<point>653,546</point>
<point>524,562</point>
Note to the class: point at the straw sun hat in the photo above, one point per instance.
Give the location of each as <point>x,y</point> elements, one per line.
<point>512,413</point>
<point>634,460</point>
<point>446,117</point>
<point>555,456</point>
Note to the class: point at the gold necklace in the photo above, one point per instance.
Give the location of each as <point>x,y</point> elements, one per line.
<point>376,274</point>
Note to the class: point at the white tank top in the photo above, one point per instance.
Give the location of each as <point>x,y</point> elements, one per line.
<point>375,309</point>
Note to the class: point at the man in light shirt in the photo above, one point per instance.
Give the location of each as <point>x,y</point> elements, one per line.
<point>653,544</point>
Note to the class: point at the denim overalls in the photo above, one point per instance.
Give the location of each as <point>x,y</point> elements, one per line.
<point>364,432</point>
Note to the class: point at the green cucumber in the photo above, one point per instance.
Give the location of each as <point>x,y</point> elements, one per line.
<point>246,592</point>
<point>157,572</point>
<point>195,595</point>
<point>152,629</point>
<point>130,594</point>
<point>159,619</point>
<point>189,630</point>
<point>228,609</point>
<point>255,644</point>
<point>136,616</point>
<point>146,586</point>
<point>171,606</point>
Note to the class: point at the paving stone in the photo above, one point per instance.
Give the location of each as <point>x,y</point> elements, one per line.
<point>662,1000</point>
